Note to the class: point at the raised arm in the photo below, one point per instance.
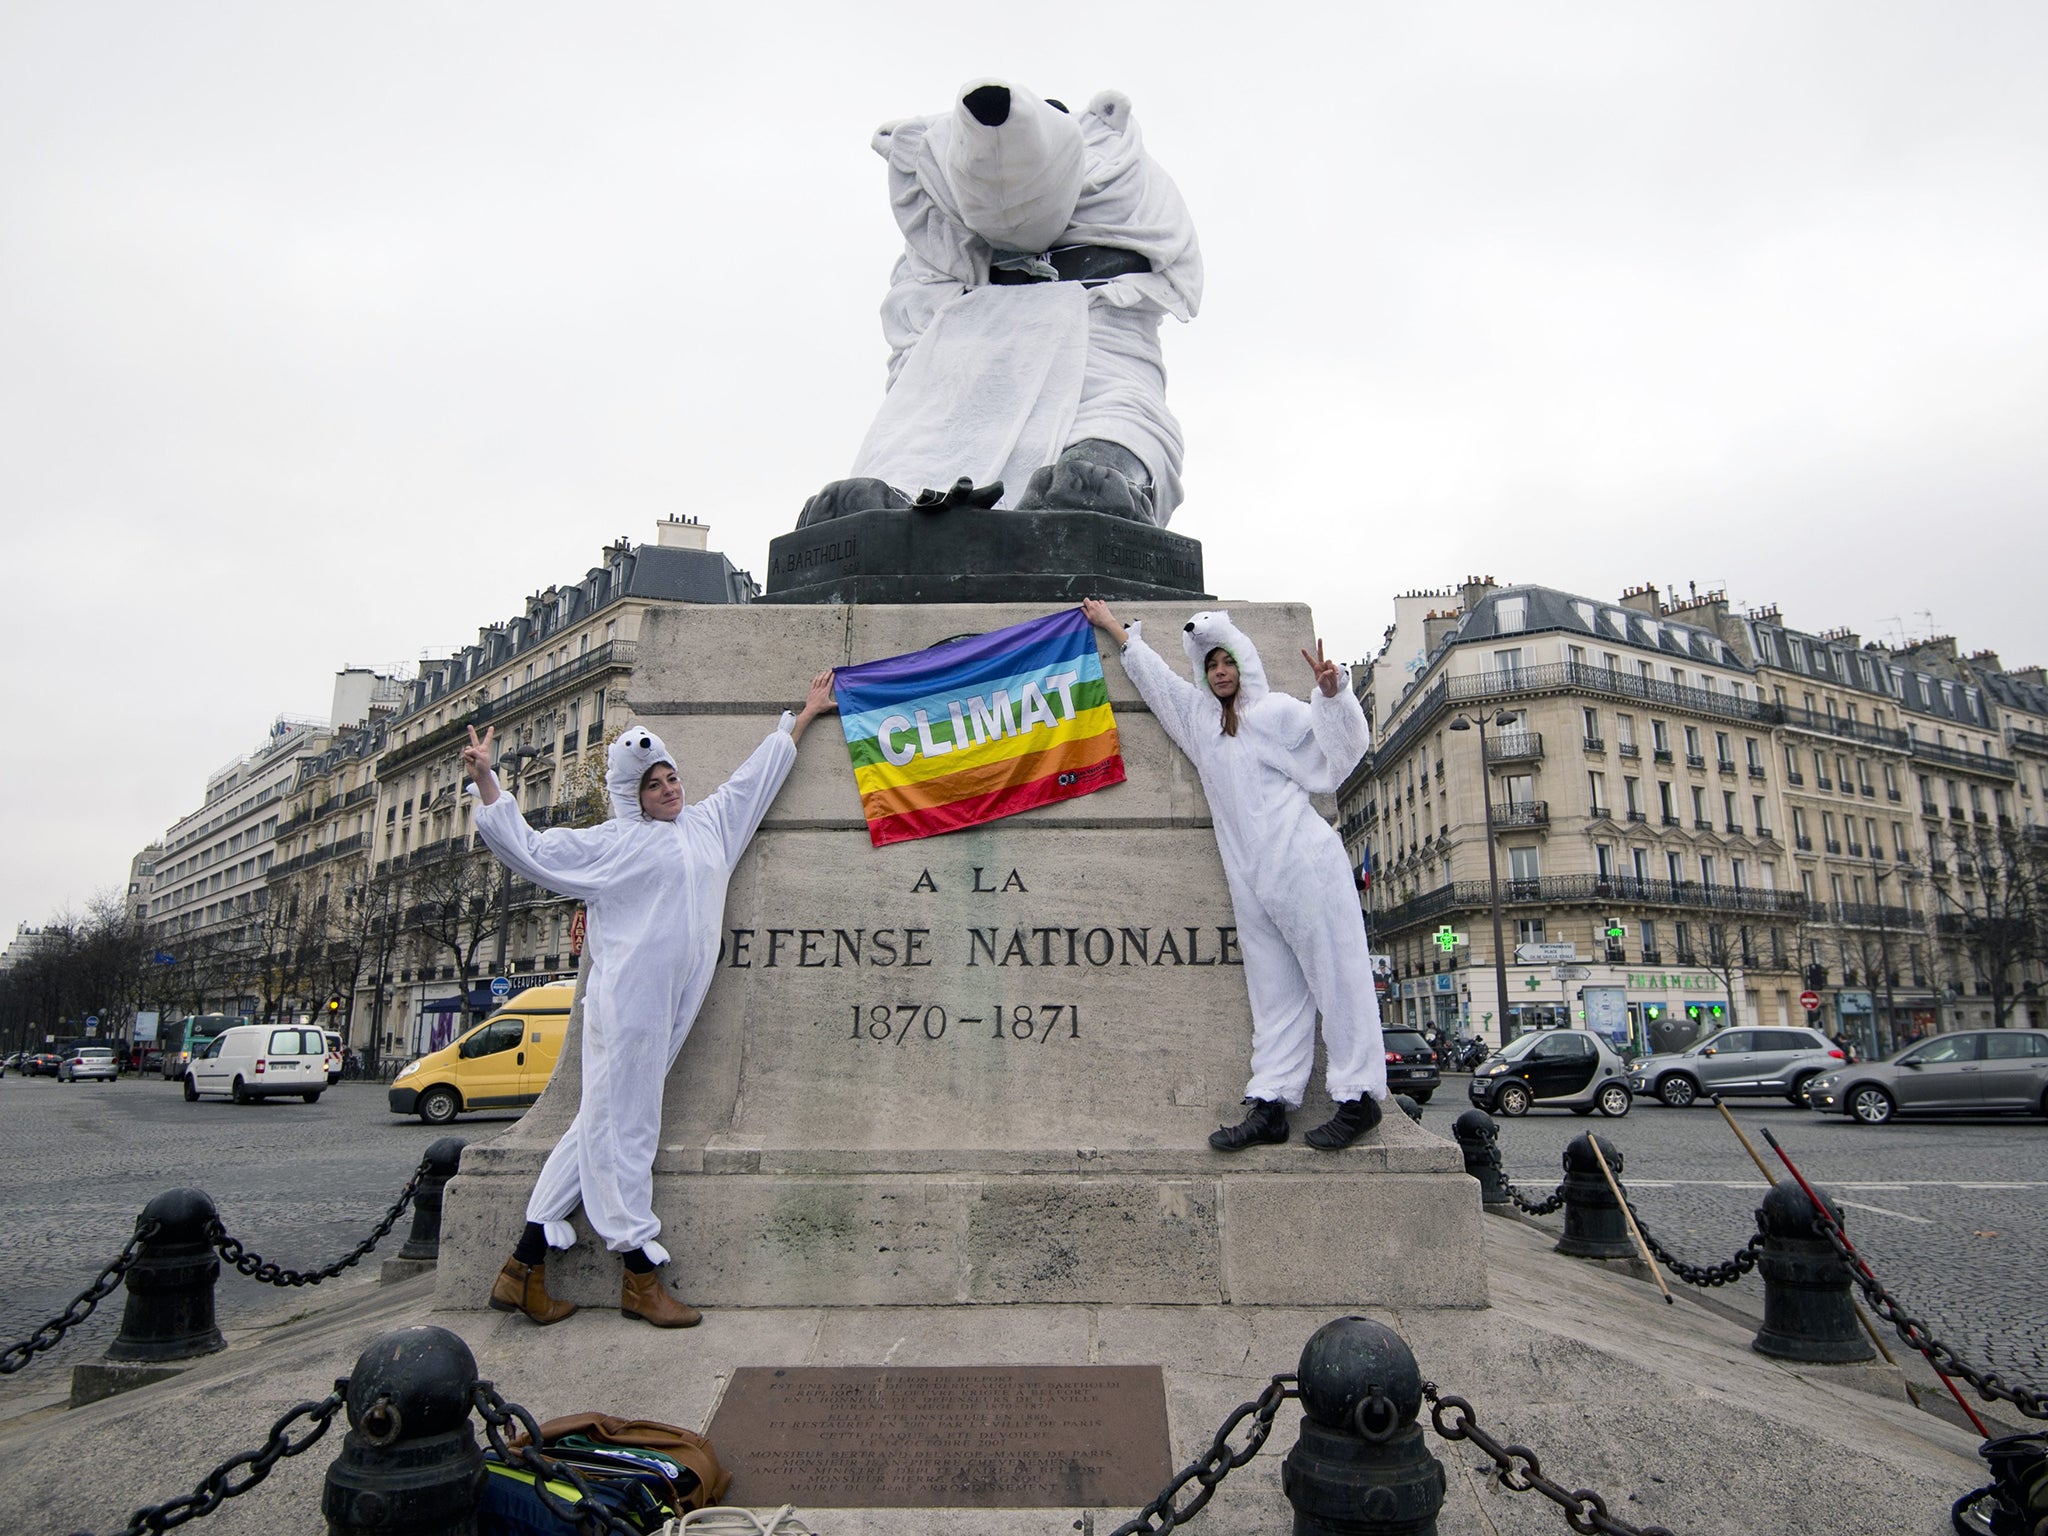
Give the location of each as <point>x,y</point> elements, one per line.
<point>570,861</point>
<point>1177,703</point>
<point>1342,733</point>
<point>737,806</point>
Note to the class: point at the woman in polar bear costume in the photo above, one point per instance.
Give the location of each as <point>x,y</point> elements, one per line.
<point>1260,756</point>
<point>653,878</point>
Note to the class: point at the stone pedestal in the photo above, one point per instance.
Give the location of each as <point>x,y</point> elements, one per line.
<point>981,1067</point>
<point>968,555</point>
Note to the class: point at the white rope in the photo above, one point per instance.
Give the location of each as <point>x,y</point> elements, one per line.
<point>731,1520</point>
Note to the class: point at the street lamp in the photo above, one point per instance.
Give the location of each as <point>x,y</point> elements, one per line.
<point>1502,719</point>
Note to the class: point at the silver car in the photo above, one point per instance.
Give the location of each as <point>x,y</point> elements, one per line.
<point>92,1061</point>
<point>1980,1072</point>
<point>1738,1063</point>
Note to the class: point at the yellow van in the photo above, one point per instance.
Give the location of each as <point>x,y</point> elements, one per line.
<point>503,1063</point>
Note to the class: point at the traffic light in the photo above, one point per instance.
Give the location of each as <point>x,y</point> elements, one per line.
<point>333,1006</point>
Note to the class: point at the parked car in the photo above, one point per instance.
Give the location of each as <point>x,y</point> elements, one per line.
<point>88,1063</point>
<point>260,1061</point>
<point>1411,1064</point>
<point>333,1058</point>
<point>1981,1072</point>
<point>1738,1063</point>
<point>1571,1069</point>
<point>503,1063</point>
<point>11,1062</point>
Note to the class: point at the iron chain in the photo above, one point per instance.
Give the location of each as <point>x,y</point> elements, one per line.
<point>1162,1514</point>
<point>15,1356</point>
<point>1534,1207</point>
<point>1727,1272</point>
<point>220,1484</point>
<point>261,1270</point>
<point>1989,1384</point>
<point>1517,1470</point>
<point>588,1516</point>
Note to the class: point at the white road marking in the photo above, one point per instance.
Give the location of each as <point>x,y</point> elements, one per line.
<point>1893,1185</point>
<point>1878,1210</point>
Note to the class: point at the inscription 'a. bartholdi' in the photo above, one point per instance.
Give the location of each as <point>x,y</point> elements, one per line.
<point>820,949</point>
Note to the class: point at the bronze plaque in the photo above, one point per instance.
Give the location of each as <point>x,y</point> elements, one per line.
<point>932,1437</point>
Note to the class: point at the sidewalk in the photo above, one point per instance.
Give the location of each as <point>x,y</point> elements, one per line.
<point>1663,1409</point>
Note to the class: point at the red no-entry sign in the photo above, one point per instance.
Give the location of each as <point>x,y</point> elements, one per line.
<point>1810,1001</point>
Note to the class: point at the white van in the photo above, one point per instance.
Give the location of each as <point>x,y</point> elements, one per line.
<point>257,1061</point>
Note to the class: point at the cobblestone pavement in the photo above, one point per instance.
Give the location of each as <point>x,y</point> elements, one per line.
<point>301,1184</point>
<point>1951,1213</point>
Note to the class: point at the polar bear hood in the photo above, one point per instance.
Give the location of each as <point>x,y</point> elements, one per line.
<point>1211,628</point>
<point>626,764</point>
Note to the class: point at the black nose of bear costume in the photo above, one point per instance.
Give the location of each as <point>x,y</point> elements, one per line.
<point>990,104</point>
<point>1189,626</point>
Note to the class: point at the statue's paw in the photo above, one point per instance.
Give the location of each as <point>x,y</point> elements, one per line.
<point>1081,485</point>
<point>962,493</point>
<point>1093,475</point>
<point>843,497</point>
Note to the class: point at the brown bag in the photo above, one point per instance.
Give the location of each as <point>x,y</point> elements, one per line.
<point>684,1445</point>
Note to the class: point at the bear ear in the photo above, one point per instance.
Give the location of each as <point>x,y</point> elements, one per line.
<point>1113,107</point>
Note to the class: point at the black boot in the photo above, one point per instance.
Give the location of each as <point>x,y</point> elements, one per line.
<point>1266,1123</point>
<point>1354,1117</point>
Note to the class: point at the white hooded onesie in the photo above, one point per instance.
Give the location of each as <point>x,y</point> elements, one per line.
<point>655,893</point>
<point>1296,902</point>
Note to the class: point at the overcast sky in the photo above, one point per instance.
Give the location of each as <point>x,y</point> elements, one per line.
<point>328,332</point>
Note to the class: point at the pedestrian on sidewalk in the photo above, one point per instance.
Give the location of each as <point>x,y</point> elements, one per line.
<point>653,881</point>
<point>1260,755</point>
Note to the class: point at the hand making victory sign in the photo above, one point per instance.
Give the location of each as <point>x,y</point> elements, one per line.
<point>1327,676</point>
<point>476,757</point>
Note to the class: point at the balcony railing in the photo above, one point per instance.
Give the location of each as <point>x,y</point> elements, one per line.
<point>1956,757</point>
<point>1660,754</point>
<point>1725,765</point>
<point>1696,760</point>
<point>1861,914</point>
<point>1822,781</point>
<point>1670,820</point>
<point>1514,746</point>
<point>1571,889</point>
<point>1702,824</point>
<point>2032,741</point>
<point>1642,816</point>
<point>1834,845</point>
<point>1595,744</point>
<point>1522,813</point>
<point>1794,777</point>
<point>1628,749</point>
<point>1756,771</point>
<point>1802,842</point>
<point>617,654</point>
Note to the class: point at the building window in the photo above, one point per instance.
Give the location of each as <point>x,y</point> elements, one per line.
<point>1528,930</point>
<point>1674,868</point>
<point>1510,615</point>
<point>1648,930</point>
<point>1631,790</point>
<point>1639,861</point>
<point>1755,753</point>
<point>1597,783</point>
<point>1756,804</point>
<point>1603,860</point>
<point>1738,874</point>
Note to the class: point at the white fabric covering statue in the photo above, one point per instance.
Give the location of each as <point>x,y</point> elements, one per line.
<point>653,881</point>
<point>1260,755</point>
<point>1041,249</point>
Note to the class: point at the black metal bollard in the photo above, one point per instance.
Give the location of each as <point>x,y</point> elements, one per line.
<point>1409,1107</point>
<point>442,1159</point>
<point>1479,1139</point>
<point>1808,1314</point>
<point>169,1315</point>
<point>410,1464</point>
<point>1594,1227</point>
<point>1360,1467</point>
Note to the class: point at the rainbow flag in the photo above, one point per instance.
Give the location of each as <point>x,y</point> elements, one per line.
<point>978,729</point>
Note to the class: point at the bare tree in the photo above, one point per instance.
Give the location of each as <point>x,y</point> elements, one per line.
<point>453,906</point>
<point>1994,919</point>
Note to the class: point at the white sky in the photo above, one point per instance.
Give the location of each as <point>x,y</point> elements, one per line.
<point>328,332</point>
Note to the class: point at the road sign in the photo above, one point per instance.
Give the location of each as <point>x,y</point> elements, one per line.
<point>1810,1001</point>
<point>1545,954</point>
<point>1571,973</point>
<point>500,987</point>
<point>92,1022</point>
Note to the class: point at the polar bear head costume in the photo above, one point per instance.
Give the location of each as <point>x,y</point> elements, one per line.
<point>1211,628</point>
<point>626,764</point>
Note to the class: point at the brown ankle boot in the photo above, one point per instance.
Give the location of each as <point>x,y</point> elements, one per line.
<point>524,1288</point>
<point>645,1297</point>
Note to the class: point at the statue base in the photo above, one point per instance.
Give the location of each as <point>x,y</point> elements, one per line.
<point>974,1068</point>
<point>968,555</point>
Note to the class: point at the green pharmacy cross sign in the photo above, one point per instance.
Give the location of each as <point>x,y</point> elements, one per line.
<point>1532,983</point>
<point>1617,933</point>
<point>1447,939</point>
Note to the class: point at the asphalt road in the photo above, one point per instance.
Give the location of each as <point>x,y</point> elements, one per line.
<point>1952,1214</point>
<point>298,1183</point>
